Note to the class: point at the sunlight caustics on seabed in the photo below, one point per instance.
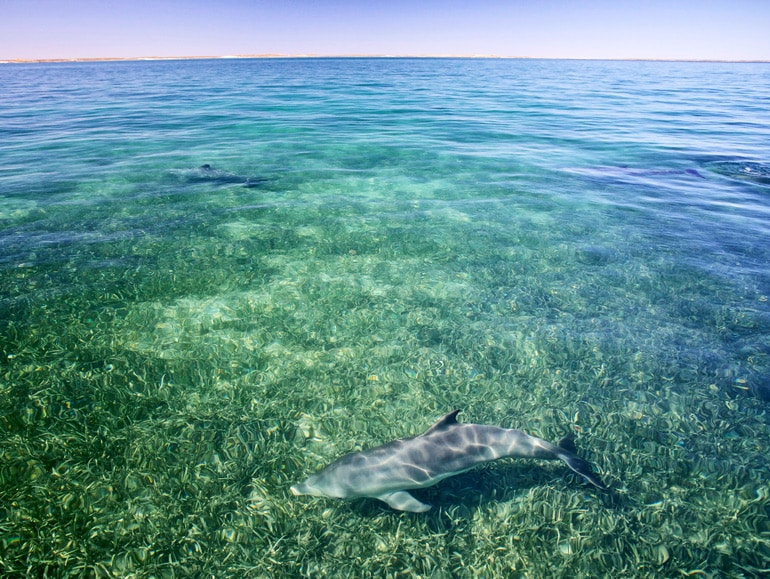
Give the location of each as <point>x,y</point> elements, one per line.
<point>219,276</point>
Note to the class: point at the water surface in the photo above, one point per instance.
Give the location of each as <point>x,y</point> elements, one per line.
<point>218,276</point>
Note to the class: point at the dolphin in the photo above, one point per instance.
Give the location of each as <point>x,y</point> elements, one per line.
<point>208,174</point>
<point>446,449</point>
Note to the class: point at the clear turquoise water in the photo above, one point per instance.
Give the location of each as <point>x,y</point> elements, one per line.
<point>548,245</point>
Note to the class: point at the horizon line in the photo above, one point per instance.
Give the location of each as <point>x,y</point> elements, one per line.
<point>373,56</point>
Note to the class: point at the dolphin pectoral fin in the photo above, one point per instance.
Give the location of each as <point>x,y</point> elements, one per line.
<point>403,501</point>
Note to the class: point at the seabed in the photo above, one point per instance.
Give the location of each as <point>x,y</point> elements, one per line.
<point>155,410</point>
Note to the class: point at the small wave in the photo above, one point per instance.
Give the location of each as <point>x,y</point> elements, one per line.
<point>752,171</point>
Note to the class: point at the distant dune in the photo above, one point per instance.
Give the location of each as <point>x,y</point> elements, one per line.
<point>247,56</point>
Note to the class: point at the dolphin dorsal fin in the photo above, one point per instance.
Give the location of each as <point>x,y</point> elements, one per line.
<point>444,422</point>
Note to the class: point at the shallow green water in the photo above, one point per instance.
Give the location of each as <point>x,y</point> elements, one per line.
<point>551,246</point>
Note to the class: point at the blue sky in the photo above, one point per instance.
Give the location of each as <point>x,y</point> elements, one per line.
<point>676,29</point>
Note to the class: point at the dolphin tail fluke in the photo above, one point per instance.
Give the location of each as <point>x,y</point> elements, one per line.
<point>567,450</point>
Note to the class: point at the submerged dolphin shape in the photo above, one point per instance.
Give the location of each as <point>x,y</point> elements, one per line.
<point>447,448</point>
<point>208,174</point>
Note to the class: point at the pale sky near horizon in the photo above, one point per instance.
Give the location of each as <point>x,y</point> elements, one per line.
<point>653,29</point>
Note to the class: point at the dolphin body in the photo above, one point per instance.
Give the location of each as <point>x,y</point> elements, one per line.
<point>208,174</point>
<point>447,448</point>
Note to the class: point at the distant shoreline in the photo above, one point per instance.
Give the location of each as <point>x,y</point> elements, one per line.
<point>352,56</point>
